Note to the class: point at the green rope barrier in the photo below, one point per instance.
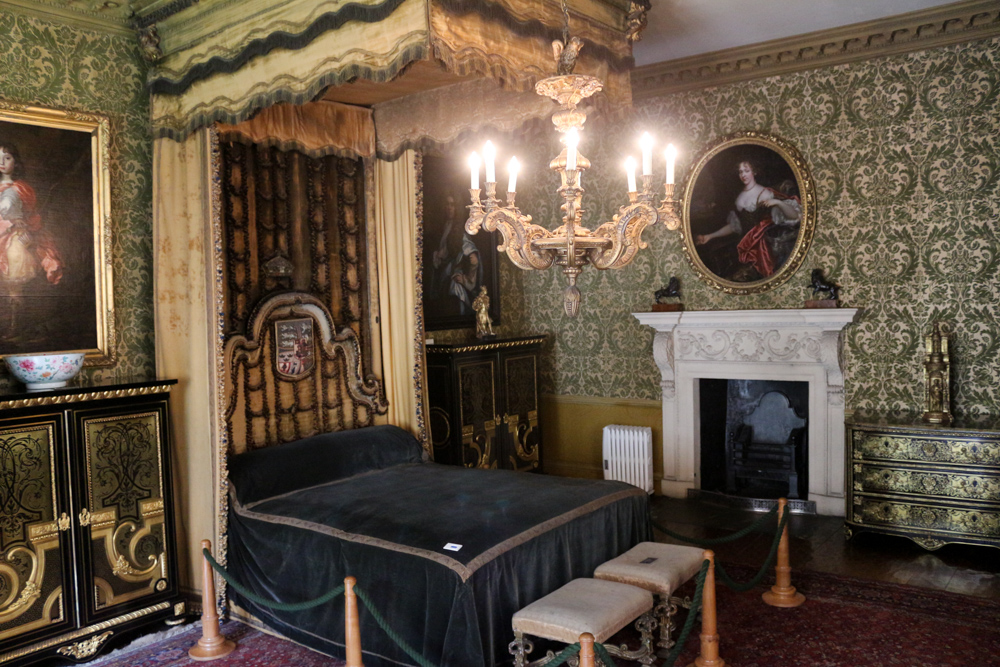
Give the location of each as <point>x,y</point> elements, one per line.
<point>564,655</point>
<point>742,588</point>
<point>393,635</point>
<point>280,606</point>
<point>718,540</point>
<point>699,585</point>
<point>603,655</point>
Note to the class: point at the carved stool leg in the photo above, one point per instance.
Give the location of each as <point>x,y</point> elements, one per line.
<point>520,648</point>
<point>664,612</point>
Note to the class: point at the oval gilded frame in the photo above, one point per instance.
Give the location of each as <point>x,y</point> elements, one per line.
<point>725,152</point>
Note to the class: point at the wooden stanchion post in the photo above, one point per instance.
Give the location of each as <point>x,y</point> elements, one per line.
<point>783,594</point>
<point>352,626</point>
<point>212,645</point>
<point>709,656</point>
<point>587,657</point>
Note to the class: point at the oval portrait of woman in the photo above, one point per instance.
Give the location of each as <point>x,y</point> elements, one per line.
<point>749,213</point>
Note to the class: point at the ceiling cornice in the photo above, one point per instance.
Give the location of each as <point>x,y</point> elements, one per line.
<point>85,15</point>
<point>915,31</point>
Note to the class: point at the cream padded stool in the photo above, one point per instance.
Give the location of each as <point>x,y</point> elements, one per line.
<point>601,608</point>
<point>660,569</point>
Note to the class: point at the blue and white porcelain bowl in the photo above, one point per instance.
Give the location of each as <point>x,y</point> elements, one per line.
<point>45,371</point>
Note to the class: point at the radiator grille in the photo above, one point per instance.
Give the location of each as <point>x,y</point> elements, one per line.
<point>628,455</point>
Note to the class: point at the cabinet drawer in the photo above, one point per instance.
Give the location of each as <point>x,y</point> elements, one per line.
<point>950,484</point>
<point>926,448</point>
<point>926,517</point>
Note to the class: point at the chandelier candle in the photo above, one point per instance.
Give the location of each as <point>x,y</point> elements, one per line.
<point>474,166</point>
<point>571,245</point>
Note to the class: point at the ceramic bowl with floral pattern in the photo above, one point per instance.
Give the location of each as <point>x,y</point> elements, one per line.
<point>45,371</point>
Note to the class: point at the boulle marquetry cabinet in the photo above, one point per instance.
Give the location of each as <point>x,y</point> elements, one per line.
<point>86,525</point>
<point>932,484</point>
<point>484,404</point>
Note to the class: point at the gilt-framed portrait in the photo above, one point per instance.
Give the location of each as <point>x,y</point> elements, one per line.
<point>55,242</point>
<point>749,212</point>
<point>455,264</point>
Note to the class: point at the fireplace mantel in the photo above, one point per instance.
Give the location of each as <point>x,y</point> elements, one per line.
<point>798,345</point>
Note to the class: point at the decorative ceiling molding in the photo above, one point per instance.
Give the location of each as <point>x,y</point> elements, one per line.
<point>915,31</point>
<point>103,15</point>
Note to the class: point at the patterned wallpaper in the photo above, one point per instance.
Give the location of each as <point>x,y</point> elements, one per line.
<point>905,152</point>
<point>58,66</point>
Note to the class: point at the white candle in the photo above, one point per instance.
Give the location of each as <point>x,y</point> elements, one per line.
<point>488,154</point>
<point>474,166</point>
<point>512,168</point>
<point>647,154</point>
<point>671,156</point>
<point>630,171</point>
<point>572,139</point>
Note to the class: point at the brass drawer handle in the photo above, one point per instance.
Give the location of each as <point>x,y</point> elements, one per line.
<point>84,517</point>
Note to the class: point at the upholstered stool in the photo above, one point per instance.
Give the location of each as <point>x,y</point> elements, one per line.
<point>601,608</point>
<point>660,569</point>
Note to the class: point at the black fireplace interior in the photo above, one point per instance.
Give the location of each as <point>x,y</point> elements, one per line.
<point>754,438</point>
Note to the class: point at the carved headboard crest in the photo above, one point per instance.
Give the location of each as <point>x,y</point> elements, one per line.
<point>294,374</point>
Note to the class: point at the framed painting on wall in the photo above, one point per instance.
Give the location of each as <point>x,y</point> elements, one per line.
<point>55,241</point>
<point>455,265</point>
<point>749,212</point>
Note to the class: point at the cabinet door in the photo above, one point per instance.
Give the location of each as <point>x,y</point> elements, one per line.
<point>36,589</point>
<point>477,390</point>
<point>121,473</point>
<point>522,434</point>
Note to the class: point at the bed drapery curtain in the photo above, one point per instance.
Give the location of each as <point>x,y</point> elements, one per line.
<point>184,324</point>
<point>397,215</point>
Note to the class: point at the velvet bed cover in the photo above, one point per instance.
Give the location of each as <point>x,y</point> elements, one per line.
<point>367,503</point>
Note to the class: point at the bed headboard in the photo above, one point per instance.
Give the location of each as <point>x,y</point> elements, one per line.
<point>294,375</point>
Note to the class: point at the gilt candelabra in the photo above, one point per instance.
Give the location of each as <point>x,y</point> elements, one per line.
<point>572,246</point>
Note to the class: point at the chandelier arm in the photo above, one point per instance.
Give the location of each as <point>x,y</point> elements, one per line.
<point>625,233</point>
<point>517,232</point>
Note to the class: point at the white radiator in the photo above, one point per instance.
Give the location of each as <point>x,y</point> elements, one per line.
<point>628,455</point>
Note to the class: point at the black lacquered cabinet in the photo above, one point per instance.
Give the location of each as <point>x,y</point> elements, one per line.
<point>484,404</point>
<point>87,547</point>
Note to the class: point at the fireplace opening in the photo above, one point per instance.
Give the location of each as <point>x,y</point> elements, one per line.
<point>754,438</point>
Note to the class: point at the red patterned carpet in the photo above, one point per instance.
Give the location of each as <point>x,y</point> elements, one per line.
<point>844,622</point>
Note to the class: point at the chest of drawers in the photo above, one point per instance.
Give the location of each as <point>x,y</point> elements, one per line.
<point>932,484</point>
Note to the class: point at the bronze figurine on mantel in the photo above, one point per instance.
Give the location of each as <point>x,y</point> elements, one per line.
<point>937,376</point>
<point>819,284</point>
<point>668,298</point>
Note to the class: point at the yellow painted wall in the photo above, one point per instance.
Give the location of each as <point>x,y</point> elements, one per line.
<point>572,431</point>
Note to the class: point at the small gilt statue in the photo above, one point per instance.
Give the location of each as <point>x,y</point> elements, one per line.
<point>481,304</point>
<point>937,374</point>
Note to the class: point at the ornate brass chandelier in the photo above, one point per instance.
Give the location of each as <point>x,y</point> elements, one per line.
<point>572,246</point>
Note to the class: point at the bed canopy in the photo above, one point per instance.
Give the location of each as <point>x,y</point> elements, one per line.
<point>371,80</point>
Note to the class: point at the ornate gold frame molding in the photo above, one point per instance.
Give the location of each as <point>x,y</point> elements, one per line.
<point>915,31</point>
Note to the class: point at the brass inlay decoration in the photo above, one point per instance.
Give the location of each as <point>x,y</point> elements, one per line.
<point>65,522</point>
<point>948,520</point>
<point>925,448</point>
<point>477,405</point>
<point>29,528</point>
<point>485,347</point>
<point>82,632</point>
<point>84,517</point>
<point>914,31</point>
<point>86,648</point>
<point>179,609</point>
<point>87,396</point>
<point>959,485</point>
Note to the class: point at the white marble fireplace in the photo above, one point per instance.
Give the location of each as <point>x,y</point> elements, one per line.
<point>798,345</point>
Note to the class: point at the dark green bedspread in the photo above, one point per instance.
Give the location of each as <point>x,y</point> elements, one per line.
<point>521,536</point>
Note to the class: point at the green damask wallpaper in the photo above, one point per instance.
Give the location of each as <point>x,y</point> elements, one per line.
<point>905,152</point>
<point>52,65</point>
